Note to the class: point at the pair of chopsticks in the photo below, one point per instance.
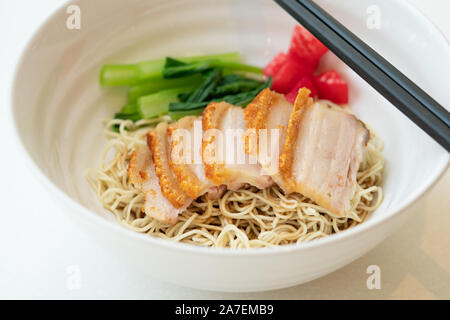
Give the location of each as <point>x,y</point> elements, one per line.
<point>373,68</point>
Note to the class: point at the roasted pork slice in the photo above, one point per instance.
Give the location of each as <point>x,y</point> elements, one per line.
<point>142,175</point>
<point>223,150</point>
<point>322,153</point>
<point>268,116</point>
<point>186,159</point>
<point>160,144</point>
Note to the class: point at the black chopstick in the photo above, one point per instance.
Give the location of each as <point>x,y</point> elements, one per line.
<point>379,73</point>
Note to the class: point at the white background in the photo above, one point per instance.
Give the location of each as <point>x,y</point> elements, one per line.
<point>40,247</point>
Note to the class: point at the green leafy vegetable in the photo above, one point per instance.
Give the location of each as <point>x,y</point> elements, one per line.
<point>174,68</point>
<point>129,108</point>
<point>207,87</point>
<point>236,87</point>
<point>183,86</point>
<point>157,104</point>
<point>183,97</point>
<point>134,74</point>
<point>232,78</point>
<point>153,69</point>
<point>128,112</point>
<point>241,99</point>
<point>156,85</point>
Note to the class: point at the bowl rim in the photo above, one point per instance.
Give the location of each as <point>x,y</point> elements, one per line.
<point>112,225</point>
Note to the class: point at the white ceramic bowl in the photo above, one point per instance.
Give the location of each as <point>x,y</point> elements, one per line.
<point>58,106</point>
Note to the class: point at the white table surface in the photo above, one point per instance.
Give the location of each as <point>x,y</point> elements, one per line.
<point>39,245</point>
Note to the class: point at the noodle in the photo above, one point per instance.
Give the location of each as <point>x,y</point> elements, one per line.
<point>246,218</point>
